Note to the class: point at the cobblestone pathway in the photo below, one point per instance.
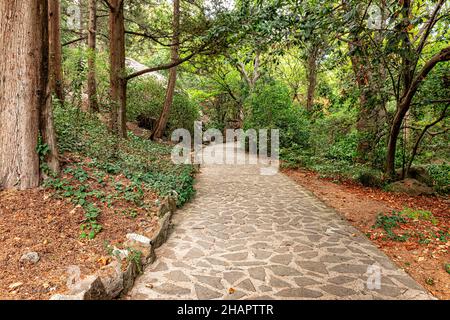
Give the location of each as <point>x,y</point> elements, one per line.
<point>267,238</point>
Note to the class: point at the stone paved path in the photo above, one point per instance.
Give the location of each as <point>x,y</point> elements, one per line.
<point>267,238</point>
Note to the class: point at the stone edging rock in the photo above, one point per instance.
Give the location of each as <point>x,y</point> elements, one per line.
<point>118,277</point>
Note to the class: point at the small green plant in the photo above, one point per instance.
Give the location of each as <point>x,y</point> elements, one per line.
<point>390,221</point>
<point>447,267</point>
<point>78,173</point>
<point>108,247</point>
<point>132,213</point>
<point>90,228</point>
<point>135,256</point>
<point>429,281</point>
<point>56,184</point>
<point>442,236</point>
<point>419,215</point>
<point>42,150</point>
<point>423,239</point>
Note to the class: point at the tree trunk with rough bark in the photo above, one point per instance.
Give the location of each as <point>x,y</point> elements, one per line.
<point>371,102</point>
<point>55,53</point>
<point>363,78</point>
<point>118,83</point>
<point>164,117</point>
<point>23,88</point>
<point>92,47</point>
<point>50,68</point>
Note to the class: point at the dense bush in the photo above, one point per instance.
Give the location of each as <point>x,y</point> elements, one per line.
<point>344,148</point>
<point>440,174</point>
<point>270,107</point>
<point>146,98</point>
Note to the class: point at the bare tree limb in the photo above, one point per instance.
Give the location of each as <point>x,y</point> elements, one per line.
<point>162,67</point>
<point>74,41</point>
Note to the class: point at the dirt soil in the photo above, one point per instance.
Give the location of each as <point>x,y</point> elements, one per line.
<point>425,260</point>
<point>39,221</point>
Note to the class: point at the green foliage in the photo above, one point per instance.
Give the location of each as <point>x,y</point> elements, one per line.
<point>75,75</point>
<point>368,176</point>
<point>344,148</point>
<point>146,164</point>
<point>389,222</point>
<point>447,267</point>
<point>270,107</point>
<point>140,160</point>
<point>90,228</point>
<point>442,236</point>
<point>419,215</point>
<point>146,98</point>
<point>42,151</point>
<point>135,256</point>
<point>440,174</point>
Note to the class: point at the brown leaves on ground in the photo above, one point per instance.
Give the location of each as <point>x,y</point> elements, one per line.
<point>425,260</point>
<point>37,221</point>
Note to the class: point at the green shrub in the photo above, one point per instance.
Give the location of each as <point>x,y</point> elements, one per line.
<point>344,148</point>
<point>440,174</point>
<point>270,107</point>
<point>146,98</point>
<point>368,177</point>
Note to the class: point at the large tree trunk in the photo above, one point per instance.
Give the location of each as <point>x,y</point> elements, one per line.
<point>92,47</point>
<point>363,77</point>
<point>55,51</point>
<point>117,68</point>
<point>311,70</point>
<point>164,117</point>
<point>369,76</point>
<point>371,105</point>
<point>23,86</point>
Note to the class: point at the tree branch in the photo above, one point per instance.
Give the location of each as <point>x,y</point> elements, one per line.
<point>108,4</point>
<point>429,27</point>
<point>162,67</point>
<point>422,134</point>
<point>444,55</point>
<point>74,41</point>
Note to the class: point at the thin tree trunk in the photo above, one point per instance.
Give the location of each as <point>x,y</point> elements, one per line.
<point>404,104</point>
<point>117,68</point>
<point>164,117</point>
<point>92,47</point>
<point>420,137</point>
<point>56,73</point>
<point>392,142</point>
<point>312,77</point>
<point>50,69</point>
<point>48,134</point>
<point>23,84</point>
